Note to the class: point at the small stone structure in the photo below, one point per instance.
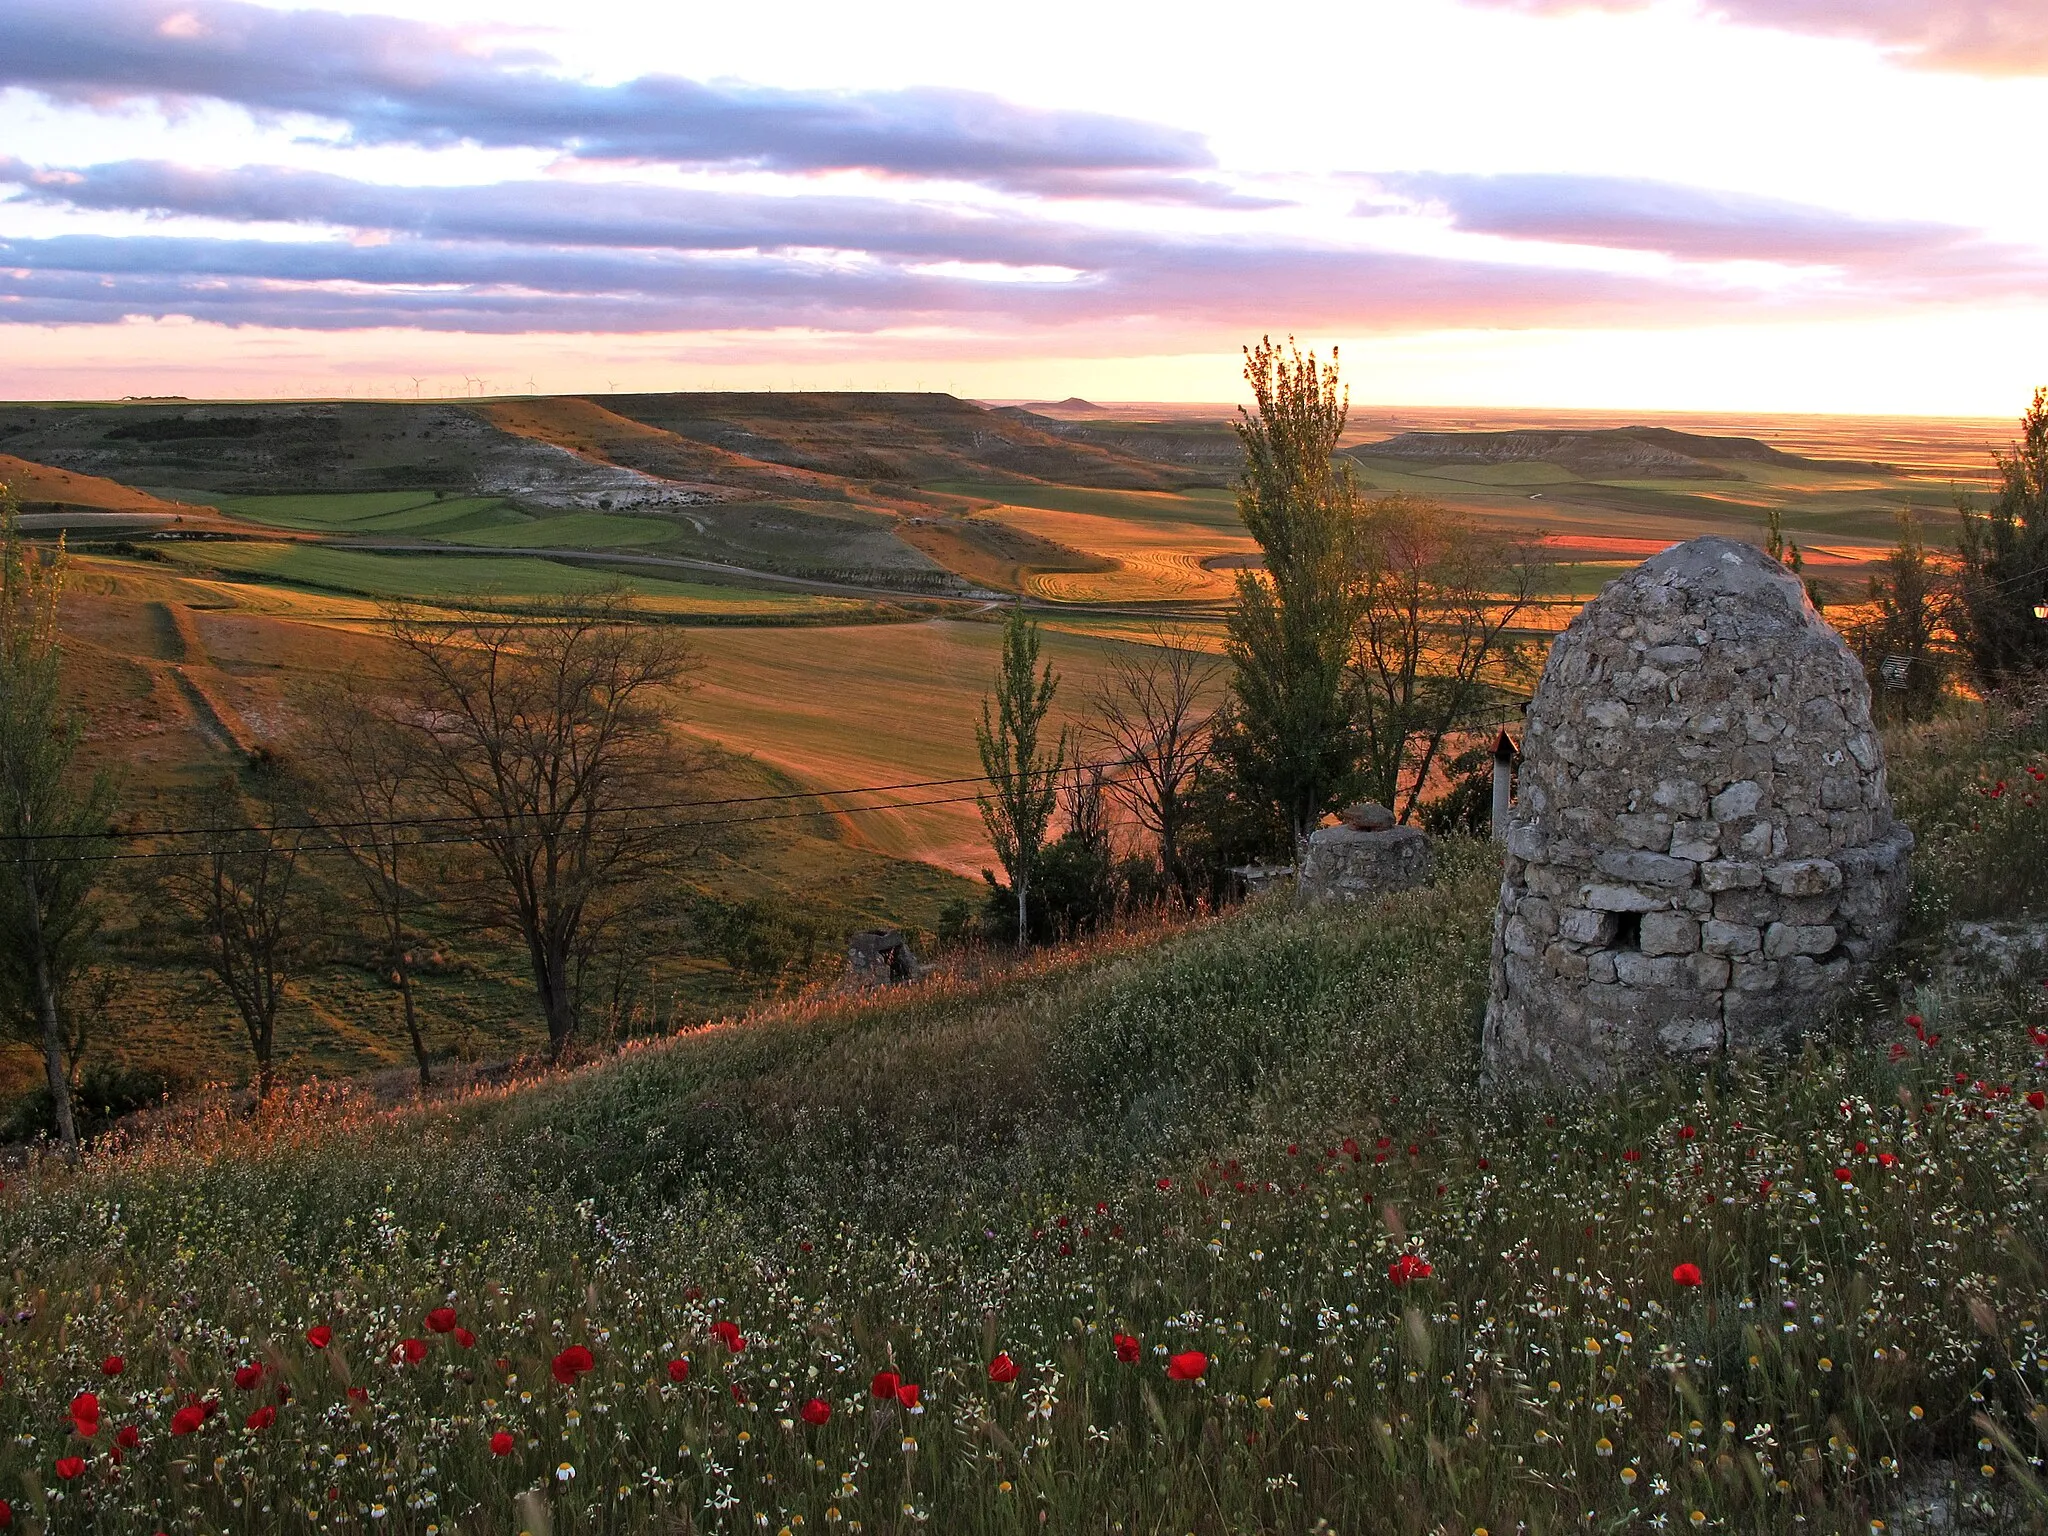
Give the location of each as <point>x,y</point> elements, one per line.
<point>880,955</point>
<point>1364,856</point>
<point>1702,854</point>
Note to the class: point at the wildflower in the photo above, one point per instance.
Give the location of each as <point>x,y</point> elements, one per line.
<point>1764,1187</point>
<point>1844,1176</point>
<point>85,1414</point>
<point>816,1412</point>
<point>1408,1267</point>
<point>262,1418</point>
<point>319,1335</point>
<point>501,1443</point>
<point>358,1394</point>
<point>128,1437</point>
<point>1603,1446</point>
<point>465,1338</point>
<point>6,1514</point>
<point>1632,1156</point>
<point>69,1467</point>
<point>1686,1274</point>
<point>113,1365</point>
<point>729,1335</point>
<point>1165,1184</point>
<point>1126,1348</point>
<point>187,1419</point>
<point>1628,1476</point>
<point>908,1394</point>
<point>883,1387</point>
<point>1686,1133</point>
<point>1002,1370</point>
<point>247,1376</point>
<point>679,1371</point>
<point>409,1352</point>
<point>2037,1100</point>
<point>441,1320</point>
<point>1887,1159</point>
<point>1187,1366</point>
<point>572,1363</point>
<point>564,1472</point>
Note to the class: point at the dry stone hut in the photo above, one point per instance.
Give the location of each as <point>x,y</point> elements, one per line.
<point>1702,853</point>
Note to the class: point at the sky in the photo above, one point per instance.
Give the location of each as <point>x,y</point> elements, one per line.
<point>1742,205</point>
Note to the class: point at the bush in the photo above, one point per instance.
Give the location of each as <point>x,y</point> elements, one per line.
<point>105,1092</point>
<point>1974,787</point>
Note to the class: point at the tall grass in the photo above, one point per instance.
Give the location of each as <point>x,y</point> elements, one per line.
<point>1243,1142</point>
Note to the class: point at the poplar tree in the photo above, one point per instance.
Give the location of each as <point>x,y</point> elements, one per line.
<point>52,830</point>
<point>1022,770</point>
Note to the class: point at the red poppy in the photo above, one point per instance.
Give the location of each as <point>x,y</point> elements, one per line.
<point>69,1467</point>
<point>816,1412</point>
<point>885,1384</point>
<point>1686,1133</point>
<point>113,1365</point>
<point>410,1351</point>
<point>908,1394</point>
<point>1887,1159</point>
<point>1686,1274</point>
<point>1844,1175</point>
<point>730,1333</point>
<point>441,1320</point>
<point>465,1338</point>
<point>1166,1183</point>
<point>6,1514</point>
<point>1002,1370</point>
<point>1351,1148</point>
<point>679,1371</point>
<point>501,1443</point>
<point>1187,1366</point>
<point>128,1437</point>
<point>85,1413</point>
<point>1408,1267</point>
<point>319,1335</point>
<point>1898,1051</point>
<point>1126,1348</point>
<point>1914,1021</point>
<point>1632,1156</point>
<point>262,1418</point>
<point>358,1394</point>
<point>187,1419</point>
<point>246,1376</point>
<point>572,1363</point>
<point>2037,1100</point>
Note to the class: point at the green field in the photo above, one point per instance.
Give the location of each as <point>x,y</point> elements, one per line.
<point>576,530</point>
<point>429,576</point>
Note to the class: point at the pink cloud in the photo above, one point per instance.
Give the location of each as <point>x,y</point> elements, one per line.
<point>1981,37</point>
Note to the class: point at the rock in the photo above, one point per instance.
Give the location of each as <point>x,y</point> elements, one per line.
<point>1703,805</point>
<point>1343,863</point>
<point>1367,816</point>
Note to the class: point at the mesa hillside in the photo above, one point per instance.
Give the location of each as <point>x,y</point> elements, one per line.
<point>712,963</point>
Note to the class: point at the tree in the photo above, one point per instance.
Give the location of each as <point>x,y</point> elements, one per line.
<point>1788,554</point>
<point>52,830</point>
<point>366,773</point>
<point>1435,600</point>
<point>1022,770</point>
<point>242,890</point>
<point>1294,741</point>
<point>1155,726</point>
<point>2005,559</point>
<point>1905,643</point>
<point>542,732</point>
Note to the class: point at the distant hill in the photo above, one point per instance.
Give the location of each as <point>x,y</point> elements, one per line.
<point>1648,453</point>
<point>1073,405</point>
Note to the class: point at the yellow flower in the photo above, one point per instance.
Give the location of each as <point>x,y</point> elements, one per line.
<point>1628,1475</point>
<point>1918,1412</point>
<point>1003,1486</point>
<point>1592,1346</point>
<point>1603,1446</point>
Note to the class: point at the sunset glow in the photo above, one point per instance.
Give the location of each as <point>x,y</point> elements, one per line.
<point>1773,204</point>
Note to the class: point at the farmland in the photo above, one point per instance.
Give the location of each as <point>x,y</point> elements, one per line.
<point>837,561</point>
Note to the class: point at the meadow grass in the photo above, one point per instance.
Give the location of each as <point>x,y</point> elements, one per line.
<point>1203,1232</point>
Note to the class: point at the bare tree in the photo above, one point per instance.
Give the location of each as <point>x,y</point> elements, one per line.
<point>51,827</point>
<point>1430,643</point>
<point>544,730</point>
<point>365,766</point>
<point>1156,719</point>
<point>244,893</point>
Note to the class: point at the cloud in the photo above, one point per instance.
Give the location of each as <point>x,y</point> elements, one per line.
<point>1166,287</point>
<point>390,80</point>
<point>1984,37</point>
<point>1694,222</point>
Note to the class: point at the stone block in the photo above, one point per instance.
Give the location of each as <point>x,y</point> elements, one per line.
<point>1651,833</point>
<point>1696,840</point>
<point>1730,874</point>
<point>1719,938</point>
<point>1619,898</point>
<point>1738,800</point>
<point>1782,940</point>
<point>1634,864</point>
<point>1803,877</point>
<point>1707,973</point>
<point>1669,933</point>
<point>1682,797</point>
<point>1639,971</point>
<point>1579,925</point>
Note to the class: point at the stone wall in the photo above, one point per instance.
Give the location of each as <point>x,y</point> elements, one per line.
<point>1348,863</point>
<point>1702,855</point>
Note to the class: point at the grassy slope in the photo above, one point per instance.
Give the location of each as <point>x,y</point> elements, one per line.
<point>1149,1141</point>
